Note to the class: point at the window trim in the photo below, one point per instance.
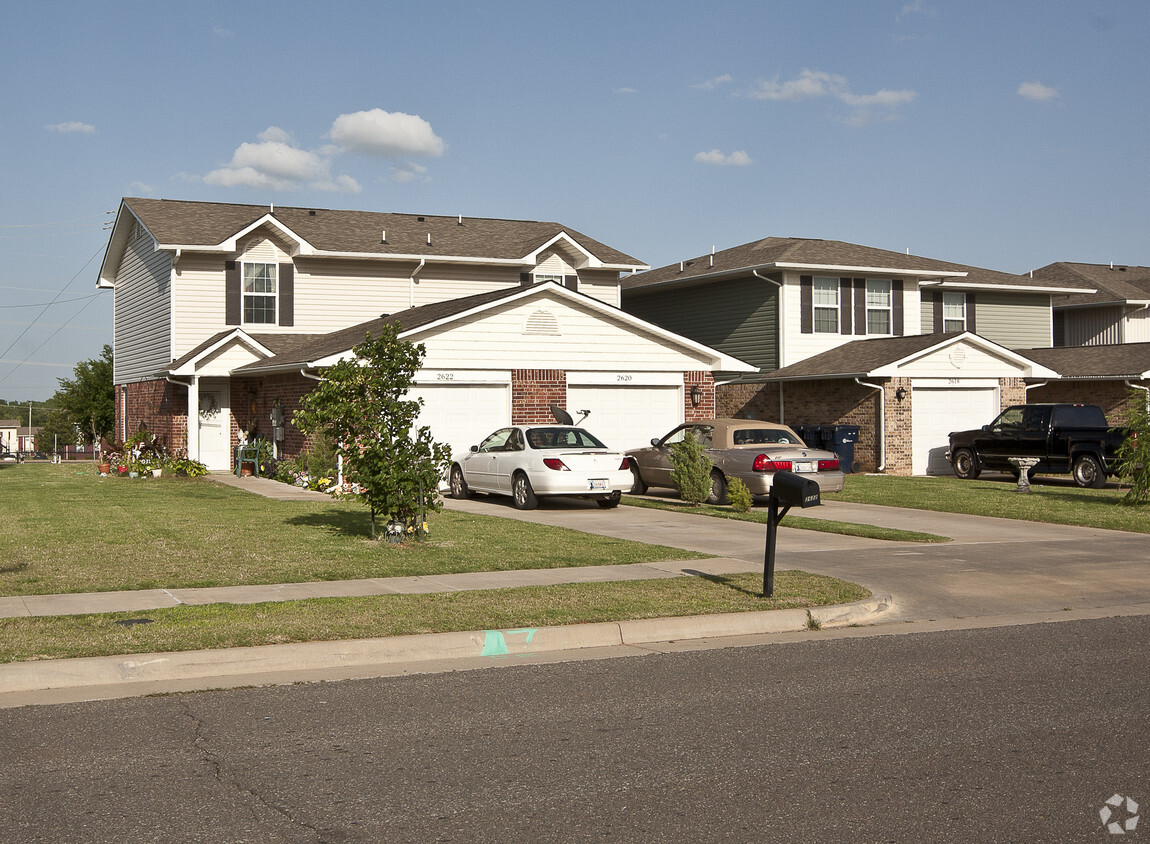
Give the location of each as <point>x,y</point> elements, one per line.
<point>816,307</point>
<point>887,309</point>
<point>246,295</point>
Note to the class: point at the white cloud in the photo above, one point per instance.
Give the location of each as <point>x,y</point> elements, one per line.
<point>141,189</point>
<point>812,84</point>
<point>1037,92</point>
<point>276,164</point>
<point>916,7</point>
<point>408,172</point>
<point>73,127</point>
<point>712,84</point>
<point>386,134</point>
<point>625,91</point>
<point>718,158</point>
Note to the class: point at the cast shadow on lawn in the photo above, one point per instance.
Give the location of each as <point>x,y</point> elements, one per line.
<point>724,580</point>
<point>337,521</point>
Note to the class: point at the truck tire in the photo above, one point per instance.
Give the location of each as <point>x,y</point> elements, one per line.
<point>1088,472</point>
<point>966,465</point>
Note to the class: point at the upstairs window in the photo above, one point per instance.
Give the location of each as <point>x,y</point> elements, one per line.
<point>826,303</point>
<point>260,293</point>
<point>878,306</point>
<point>953,312</point>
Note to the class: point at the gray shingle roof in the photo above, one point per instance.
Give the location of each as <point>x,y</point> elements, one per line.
<point>184,223</point>
<point>1127,360</point>
<point>1113,283</point>
<point>856,358</point>
<point>807,251</point>
<point>277,344</point>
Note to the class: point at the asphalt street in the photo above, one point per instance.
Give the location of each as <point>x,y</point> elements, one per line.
<point>1004,734</point>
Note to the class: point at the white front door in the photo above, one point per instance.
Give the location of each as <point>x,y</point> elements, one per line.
<point>214,427</point>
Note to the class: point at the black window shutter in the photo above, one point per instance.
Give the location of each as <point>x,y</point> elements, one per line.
<point>807,304</point>
<point>286,284</point>
<point>896,307</point>
<point>860,306</point>
<point>845,306</point>
<point>232,297</point>
<point>939,318</point>
<point>970,314</point>
<point>571,282</point>
<point>525,279</point>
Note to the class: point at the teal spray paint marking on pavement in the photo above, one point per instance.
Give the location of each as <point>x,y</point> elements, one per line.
<point>495,643</point>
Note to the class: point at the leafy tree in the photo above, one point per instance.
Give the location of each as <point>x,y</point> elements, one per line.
<point>88,400</point>
<point>691,470</point>
<point>361,407</point>
<point>56,432</point>
<point>1133,457</point>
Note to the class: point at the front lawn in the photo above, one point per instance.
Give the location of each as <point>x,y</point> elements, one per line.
<point>66,529</point>
<point>1051,500</point>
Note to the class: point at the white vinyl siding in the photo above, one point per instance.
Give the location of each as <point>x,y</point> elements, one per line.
<point>142,307</point>
<point>496,337</point>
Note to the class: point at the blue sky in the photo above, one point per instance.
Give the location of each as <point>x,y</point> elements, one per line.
<point>1006,135</point>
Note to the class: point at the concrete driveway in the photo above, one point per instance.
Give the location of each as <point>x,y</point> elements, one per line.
<point>991,567</point>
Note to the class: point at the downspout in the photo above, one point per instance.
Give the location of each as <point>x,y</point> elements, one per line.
<point>881,422</point>
<point>1026,390</point>
<point>1146,390</point>
<point>413,280</point>
<point>339,458</point>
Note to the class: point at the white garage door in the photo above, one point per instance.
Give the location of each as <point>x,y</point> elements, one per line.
<point>627,416</point>
<point>463,414</point>
<point>937,412</point>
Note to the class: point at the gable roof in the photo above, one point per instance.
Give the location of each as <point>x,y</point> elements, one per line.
<point>878,357</point>
<point>773,254</point>
<point>1126,361</point>
<point>1113,284</point>
<point>326,350</point>
<point>178,225</point>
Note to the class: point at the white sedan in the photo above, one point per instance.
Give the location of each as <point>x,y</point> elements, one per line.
<point>528,461</point>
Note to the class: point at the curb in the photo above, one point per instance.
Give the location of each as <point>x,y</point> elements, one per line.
<point>218,665</point>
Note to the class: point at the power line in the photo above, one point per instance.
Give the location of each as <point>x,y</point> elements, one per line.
<point>53,302</point>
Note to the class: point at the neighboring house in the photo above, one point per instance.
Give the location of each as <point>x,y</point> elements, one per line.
<point>1117,311</point>
<point>9,434</point>
<point>26,438</point>
<point>907,348</point>
<point>234,310</point>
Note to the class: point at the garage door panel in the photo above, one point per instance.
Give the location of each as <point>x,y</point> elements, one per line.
<point>937,412</point>
<point>462,414</point>
<point>628,416</point>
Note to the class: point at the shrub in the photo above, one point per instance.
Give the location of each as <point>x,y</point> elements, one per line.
<point>1133,457</point>
<point>739,496</point>
<point>691,472</point>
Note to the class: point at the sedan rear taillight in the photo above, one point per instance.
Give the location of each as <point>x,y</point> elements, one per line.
<point>556,464</point>
<point>625,466</point>
<point>764,464</point>
<point>828,465</point>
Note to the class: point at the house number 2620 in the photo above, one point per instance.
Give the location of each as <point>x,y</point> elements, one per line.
<point>624,377</point>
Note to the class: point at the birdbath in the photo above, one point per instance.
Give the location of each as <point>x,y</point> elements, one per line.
<point>1023,465</point>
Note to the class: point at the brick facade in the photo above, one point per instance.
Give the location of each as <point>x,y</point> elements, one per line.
<point>160,406</point>
<point>1111,396</point>
<point>705,381</point>
<point>533,391</point>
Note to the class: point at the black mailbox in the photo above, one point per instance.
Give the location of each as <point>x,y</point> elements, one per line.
<point>787,490</point>
<point>793,490</point>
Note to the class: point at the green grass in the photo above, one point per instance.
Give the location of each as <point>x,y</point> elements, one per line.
<point>329,619</point>
<point>69,530</point>
<point>759,514</point>
<point>1054,501</point>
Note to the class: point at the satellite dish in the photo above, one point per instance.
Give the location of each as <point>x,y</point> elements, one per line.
<point>561,415</point>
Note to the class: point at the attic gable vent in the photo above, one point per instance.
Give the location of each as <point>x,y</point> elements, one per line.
<point>542,322</point>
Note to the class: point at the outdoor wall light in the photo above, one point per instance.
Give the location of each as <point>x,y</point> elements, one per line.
<point>696,395</point>
<point>900,393</point>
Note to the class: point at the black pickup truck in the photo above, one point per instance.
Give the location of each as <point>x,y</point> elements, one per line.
<point>1064,438</point>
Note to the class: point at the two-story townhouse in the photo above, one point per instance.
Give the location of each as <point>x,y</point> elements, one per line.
<point>213,301</point>
<point>903,347</point>
<point>1117,311</point>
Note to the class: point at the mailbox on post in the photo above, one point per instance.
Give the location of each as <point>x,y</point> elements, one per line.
<point>789,490</point>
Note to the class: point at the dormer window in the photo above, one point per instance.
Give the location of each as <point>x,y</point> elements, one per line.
<point>260,293</point>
